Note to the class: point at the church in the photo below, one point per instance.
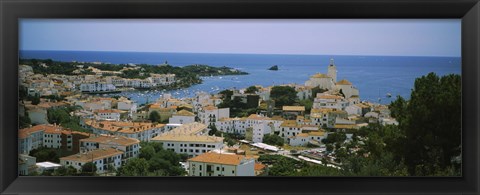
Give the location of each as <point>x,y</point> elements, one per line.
<point>329,82</point>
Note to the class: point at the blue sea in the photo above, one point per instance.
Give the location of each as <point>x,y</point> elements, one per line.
<point>374,76</point>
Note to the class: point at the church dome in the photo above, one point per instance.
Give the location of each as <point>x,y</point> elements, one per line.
<point>344,82</point>
<point>320,75</point>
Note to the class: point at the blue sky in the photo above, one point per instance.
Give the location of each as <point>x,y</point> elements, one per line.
<point>317,37</point>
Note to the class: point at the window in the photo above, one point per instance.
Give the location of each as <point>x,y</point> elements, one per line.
<point>218,168</point>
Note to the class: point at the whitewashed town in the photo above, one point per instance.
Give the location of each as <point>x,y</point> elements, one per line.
<point>114,136</point>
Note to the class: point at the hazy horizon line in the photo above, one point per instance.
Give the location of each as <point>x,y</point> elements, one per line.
<point>245,53</point>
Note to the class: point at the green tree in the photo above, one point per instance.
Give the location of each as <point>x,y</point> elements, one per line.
<point>319,170</point>
<point>213,130</point>
<point>273,139</point>
<point>251,89</point>
<point>89,169</point>
<point>432,124</point>
<point>36,99</point>
<point>24,121</point>
<point>308,105</point>
<point>134,167</point>
<point>283,95</point>
<point>231,142</point>
<point>62,116</point>
<point>43,154</point>
<point>398,108</point>
<point>147,152</point>
<point>316,90</point>
<point>154,116</point>
<point>283,167</point>
<point>65,171</point>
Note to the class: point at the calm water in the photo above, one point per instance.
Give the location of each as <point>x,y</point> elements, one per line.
<point>374,76</point>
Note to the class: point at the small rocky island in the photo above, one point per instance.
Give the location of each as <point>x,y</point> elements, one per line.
<point>275,67</point>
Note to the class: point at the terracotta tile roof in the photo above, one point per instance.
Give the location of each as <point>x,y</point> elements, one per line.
<point>293,108</point>
<point>290,123</point>
<point>154,106</point>
<point>320,75</point>
<point>259,166</point>
<point>93,155</point>
<point>23,133</point>
<point>123,127</point>
<point>257,117</point>
<point>184,113</point>
<point>216,158</point>
<point>345,126</point>
<point>210,107</point>
<point>318,133</point>
<point>344,82</point>
<point>188,138</point>
<point>118,140</point>
<point>109,111</point>
<point>327,96</point>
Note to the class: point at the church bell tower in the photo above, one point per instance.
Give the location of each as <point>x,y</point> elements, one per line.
<point>332,70</point>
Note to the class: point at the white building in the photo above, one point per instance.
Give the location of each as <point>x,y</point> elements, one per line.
<point>109,115</point>
<point>190,139</point>
<point>260,130</point>
<point>239,125</point>
<point>290,128</point>
<point>182,117</point>
<point>232,125</point>
<point>324,100</point>
<point>303,139</point>
<point>129,146</point>
<point>127,105</point>
<point>30,138</point>
<point>163,79</point>
<point>102,158</point>
<point>354,110</point>
<point>210,114</point>
<point>214,164</point>
<point>96,87</point>
<point>347,88</point>
<point>52,136</point>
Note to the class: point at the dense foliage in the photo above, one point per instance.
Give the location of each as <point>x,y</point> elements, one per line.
<point>61,116</point>
<point>153,161</point>
<point>431,123</point>
<point>273,139</point>
<point>237,107</point>
<point>43,154</point>
<point>251,89</point>
<point>283,95</point>
<point>154,116</point>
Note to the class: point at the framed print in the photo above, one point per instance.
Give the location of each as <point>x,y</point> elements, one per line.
<point>239,97</point>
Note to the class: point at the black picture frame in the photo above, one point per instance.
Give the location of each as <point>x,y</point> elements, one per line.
<point>12,10</point>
